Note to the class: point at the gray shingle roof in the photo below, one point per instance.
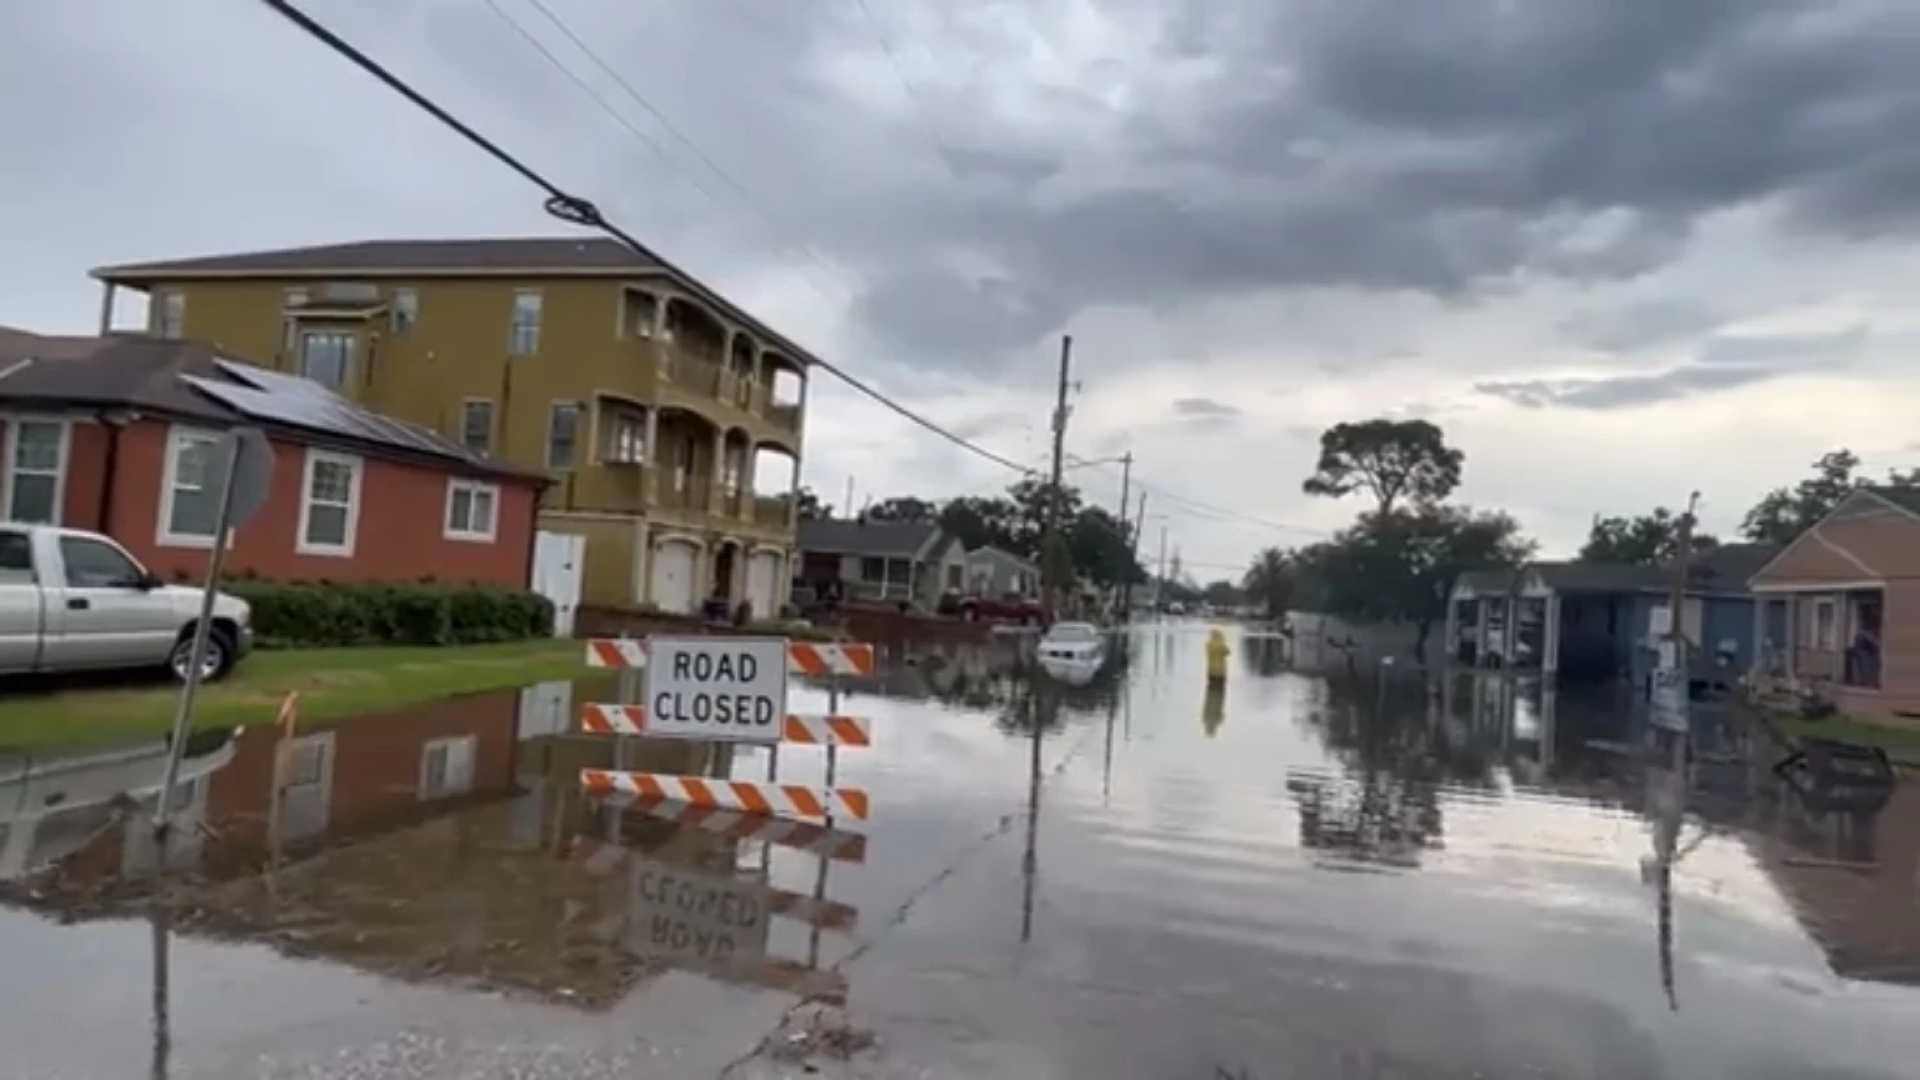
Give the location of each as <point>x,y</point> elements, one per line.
<point>486,255</point>
<point>1905,498</point>
<point>190,380</point>
<point>891,539</point>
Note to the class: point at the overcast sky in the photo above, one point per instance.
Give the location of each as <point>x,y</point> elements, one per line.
<point>1617,250</point>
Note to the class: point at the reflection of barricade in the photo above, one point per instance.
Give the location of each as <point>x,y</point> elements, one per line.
<point>836,844</point>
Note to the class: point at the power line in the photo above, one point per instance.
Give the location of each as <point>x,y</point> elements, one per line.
<point>908,86</point>
<point>1218,513</point>
<point>579,211</point>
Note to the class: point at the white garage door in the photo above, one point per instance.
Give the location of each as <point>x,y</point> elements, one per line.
<point>763,581</point>
<point>673,576</point>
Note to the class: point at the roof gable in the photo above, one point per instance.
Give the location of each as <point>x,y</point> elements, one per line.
<point>889,539</point>
<point>1870,536</point>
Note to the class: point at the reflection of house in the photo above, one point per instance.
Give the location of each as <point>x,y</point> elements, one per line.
<point>648,398</point>
<point>1852,880</point>
<point>1834,614</point>
<point>1593,620</point>
<point>905,561</point>
<point>993,572</point>
<point>117,434</point>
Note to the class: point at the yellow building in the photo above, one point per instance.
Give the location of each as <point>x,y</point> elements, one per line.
<point>645,395</point>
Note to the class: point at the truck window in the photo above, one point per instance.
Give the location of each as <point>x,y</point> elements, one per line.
<point>94,565</point>
<point>16,559</point>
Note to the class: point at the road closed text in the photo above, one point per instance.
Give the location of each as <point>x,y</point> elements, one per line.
<point>711,688</point>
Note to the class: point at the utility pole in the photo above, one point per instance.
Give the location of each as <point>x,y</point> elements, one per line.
<point>1161,577</point>
<point>1133,551</point>
<point>1670,679</point>
<point>1126,474</point>
<point>1053,494</point>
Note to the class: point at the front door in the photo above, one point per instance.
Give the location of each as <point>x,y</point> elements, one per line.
<point>100,615</point>
<point>673,576</point>
<point>558,559</point>
<point>763,574</point>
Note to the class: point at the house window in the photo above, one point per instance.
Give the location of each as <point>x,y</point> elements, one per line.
<point>1825,636</point>
<point>683,464</point>
<point>641,311</point>
<point>563,434</point>
<point>471,507</point>
<point>954,571</point>
<point>446,767</point>
<point>627,439</point>
<point>476,425</point>
<point>524,339</point>
<point>873,569</point>
<point>329,504</point>
<point>171,314</point>
<point>324,356</point>
<point>189,492</point>
<point>36,470</point>
<point>406,310</point>
<point>730,475</point>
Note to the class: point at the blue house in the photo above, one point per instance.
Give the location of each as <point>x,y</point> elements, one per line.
<point>1590,620</point>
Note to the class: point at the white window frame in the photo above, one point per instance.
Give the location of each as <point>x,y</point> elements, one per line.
<point>1828,642</point>
<point>553,412</point>
<point>513,323</point>
<point>467,746</point>
<point>468,535</point>
<point>346,362</point>
<point>468,403</point>
<point>163,534</point>
<point>162,300</point>
<point>405,298</point>
<point>621,450</point>
<point>291,300</point>
<point>13,422</point>
<point>301,544</point>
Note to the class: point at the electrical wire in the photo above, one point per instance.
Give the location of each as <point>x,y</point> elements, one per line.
<point>1196,507</point>
<point>580,211</point>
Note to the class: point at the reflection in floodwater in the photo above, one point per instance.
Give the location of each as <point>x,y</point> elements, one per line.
<point>449,844</point>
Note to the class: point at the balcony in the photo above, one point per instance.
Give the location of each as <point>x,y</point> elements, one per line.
<point>690,371</point>
<point>785,417</point>
<point>773,511</point>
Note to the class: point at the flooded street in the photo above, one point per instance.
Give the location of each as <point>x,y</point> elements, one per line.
<point>1309,871</point>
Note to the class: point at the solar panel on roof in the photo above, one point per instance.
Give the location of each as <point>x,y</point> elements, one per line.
<point>299,402</point>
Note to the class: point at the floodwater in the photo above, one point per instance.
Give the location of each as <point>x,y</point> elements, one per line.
<point>1317,869</point>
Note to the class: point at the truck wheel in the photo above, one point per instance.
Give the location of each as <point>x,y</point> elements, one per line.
<point>213,665</point>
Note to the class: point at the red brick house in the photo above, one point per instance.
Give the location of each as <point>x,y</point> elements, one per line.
<point>1840,606</point>
<point>112,434</point>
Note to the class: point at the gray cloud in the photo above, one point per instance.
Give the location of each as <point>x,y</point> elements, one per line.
<point>1725,362</point>
<point>1635,325</point>
<point>1194,407</point>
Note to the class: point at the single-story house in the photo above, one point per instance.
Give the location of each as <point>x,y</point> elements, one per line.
<point>1593,620</point>
<point>1842,605</point>
<point>117,434</point>
<point>994,572</point>
<point>906,561</point>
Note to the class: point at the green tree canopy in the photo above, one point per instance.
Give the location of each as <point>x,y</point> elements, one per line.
<point>810,506</point>
<point>978,522</point>
<point>1645,540</point>
<point>1388,458</point>
<point>1783,514</point>
<point>903,508</point>
<point>1100,550</point>
<point>1270,581</point>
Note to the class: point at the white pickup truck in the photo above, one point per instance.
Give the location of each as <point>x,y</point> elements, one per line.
<point>72,601</point>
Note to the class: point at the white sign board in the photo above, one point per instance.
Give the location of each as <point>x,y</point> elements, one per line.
<point>686,915</point>
<point>733,689</point>
<point>1668,707</point>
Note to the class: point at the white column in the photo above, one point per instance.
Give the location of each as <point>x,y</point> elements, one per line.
<point>793,496</point>
<point>642,561</point>
<point>756,401</point>
<point>650,474</point>
<point>1550,638</point>
<point>1513,630</point>
<point>1792,644</point>
<point>1481,605</point>
<point>1449,643</point>
<point>106,307</point>
<point>716,491</point>
<point>1755,665</point>
<point>747,509</point>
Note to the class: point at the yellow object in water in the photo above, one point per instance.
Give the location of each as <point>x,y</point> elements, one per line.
<point>1216,656</point>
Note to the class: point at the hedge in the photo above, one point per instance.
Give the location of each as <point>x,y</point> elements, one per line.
<point>328,613</point>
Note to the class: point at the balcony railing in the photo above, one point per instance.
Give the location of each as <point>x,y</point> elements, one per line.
<point>785,416</point>
<point>690,372</point>
<point>773,511</point>
<point>691,497</point>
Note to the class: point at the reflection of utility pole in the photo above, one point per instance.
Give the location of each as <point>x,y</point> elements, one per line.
<point>1133,552</point>
<point>162,1035</point>
<point>1030,865</point>
<point>1160,578</point>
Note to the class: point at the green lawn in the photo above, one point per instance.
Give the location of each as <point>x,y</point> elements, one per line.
<point>1901,743</point>
<point>333,684</point>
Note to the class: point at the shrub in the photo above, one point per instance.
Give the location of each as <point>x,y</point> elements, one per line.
<point>300,613</point>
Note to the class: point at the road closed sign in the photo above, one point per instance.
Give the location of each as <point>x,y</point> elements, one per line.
<point>733,689</point>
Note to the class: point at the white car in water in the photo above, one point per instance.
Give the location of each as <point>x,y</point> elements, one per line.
<point>1072,651</point>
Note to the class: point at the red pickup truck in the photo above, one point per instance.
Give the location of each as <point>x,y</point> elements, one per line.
<point>1012,607</point>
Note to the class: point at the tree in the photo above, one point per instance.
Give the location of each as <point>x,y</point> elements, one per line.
<point>1269,582</point>
<point>1782,515</point>
<point>810,506</point>
<point>1031,499</point>
<point>903,508</point>
<point>978,522</point>
<point>1097,544</point>
<point>1642,541</point>
<point>1221,594</point>
<point>1389,458</point>
<point>1403,566</point>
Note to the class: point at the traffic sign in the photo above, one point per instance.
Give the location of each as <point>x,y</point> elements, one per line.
<point>724,688</point>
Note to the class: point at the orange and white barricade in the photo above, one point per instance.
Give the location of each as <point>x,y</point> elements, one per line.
<point>816,729</point>
<point>817,658</point>
<point>754,797</point>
